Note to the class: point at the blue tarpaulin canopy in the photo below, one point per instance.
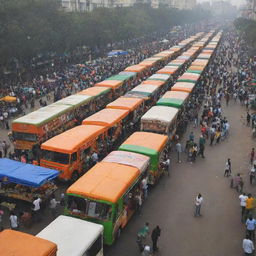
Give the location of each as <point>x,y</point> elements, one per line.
<point>25,174</point>
<point>117,53</point>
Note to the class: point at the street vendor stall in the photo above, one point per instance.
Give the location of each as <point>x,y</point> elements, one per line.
<point>24,182</point>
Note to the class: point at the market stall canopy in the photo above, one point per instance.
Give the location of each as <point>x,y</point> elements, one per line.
<point>25,174</point>
<point>117,53</point>
<point>8,99</point>
<point>15,243</point>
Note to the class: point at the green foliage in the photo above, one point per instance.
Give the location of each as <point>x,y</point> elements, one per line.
<point>32,27</point>
<point>248,29</point>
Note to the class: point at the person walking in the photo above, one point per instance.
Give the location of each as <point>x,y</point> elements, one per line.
<point>144,184</point>
<point>252,156</point>
<point>248,118</point>
<point>248,246</point>
<point>53,205</point>
<point>179,151</point>
<point>201,146</point>
<point>154,236</point>
<point>36,209</point>
<point>250,227</point>
<point>243,197</point>
<point>249,207</point>
<point>13,221</point>
<point>227,172</point>
<point>199,200</point>
<point>252,173</point>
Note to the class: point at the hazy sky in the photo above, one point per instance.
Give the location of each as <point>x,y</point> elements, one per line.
<point>236,2</point>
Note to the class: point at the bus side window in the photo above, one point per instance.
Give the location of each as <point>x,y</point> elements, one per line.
<point>95,247</point>
<point>73,157</point>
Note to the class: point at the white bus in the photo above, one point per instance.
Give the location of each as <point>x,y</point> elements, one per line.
<point>74,237</point>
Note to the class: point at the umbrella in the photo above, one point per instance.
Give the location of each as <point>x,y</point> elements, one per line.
<point>8,99</point>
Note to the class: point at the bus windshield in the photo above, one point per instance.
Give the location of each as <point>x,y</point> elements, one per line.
<point>90,208</point>
<point>57,157</point>
<point>24,136</point>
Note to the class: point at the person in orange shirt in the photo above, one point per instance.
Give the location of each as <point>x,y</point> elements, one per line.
<point>249,206</point>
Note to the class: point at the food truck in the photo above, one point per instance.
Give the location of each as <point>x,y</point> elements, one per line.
<point>24,182</point>
<point>74,237</point>
<point>153,145</point>
<point>15,243</point>
<point>160,119</point>
<point>70,152</point>
<point>106,194</point>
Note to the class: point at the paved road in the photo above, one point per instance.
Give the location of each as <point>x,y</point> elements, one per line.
<point>219,231</point>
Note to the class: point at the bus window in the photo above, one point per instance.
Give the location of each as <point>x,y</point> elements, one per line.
<point>73,158</point>
<point>76,204</point>
<point>95,247</point>
<point>99,210</point>
<point>57,157</point>
<point>100,144</point>
<point>24,136</point>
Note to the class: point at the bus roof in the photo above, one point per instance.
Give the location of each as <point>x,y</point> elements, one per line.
<point>105,181</point>
<point>148,140</point>
<point>154,82</point>
<point>135,68</point>
<point>125,103</point>
<point>74,100</point>
<point>21,244</point>
<point>162,114</point>
<point>128,158</point>
<point>167,70</point>
<point>43,115</point>
<point>95,91</point>
<point>145,88</point>
<point>161,77</point>
<point>70,140</point>
<point>67,232</point>
<point>173,99</point>
<point>183,87</point>
<point>110,83</point>
<point>106,117</point>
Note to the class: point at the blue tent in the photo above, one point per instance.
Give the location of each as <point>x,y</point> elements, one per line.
<point>117,53</point>
<point>25,174</point>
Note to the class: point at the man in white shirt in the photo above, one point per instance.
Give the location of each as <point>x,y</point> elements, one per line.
<point>199,200</point>
<point>13,221</point>
<point>53,205</point>
<point>243,197</point>
<point>36,209</point>
<point>248,246</point>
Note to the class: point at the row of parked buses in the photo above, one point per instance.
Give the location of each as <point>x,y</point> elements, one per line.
<point>104,199</point>
<point>108,193</point>
<point>38,126</point>
<point>71,151</point>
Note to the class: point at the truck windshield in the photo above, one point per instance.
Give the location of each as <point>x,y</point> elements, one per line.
<point>57,157</point>
<point>24,136</point>
<point>89,208</point>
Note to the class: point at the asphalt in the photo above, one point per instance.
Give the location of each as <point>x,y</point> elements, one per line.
<point>219,232</point>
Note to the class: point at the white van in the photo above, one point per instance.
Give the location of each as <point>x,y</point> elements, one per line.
<point>74,236</point>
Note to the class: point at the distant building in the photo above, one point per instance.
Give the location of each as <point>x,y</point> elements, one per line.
<point>88,5</point>
<point>249,10</point>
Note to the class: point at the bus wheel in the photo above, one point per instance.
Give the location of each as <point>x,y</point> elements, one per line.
<point>74,176</point>
<point>118,233</point>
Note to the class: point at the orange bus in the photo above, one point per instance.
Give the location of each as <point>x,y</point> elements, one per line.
<point>70,152</point>
<point>21,244</point>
